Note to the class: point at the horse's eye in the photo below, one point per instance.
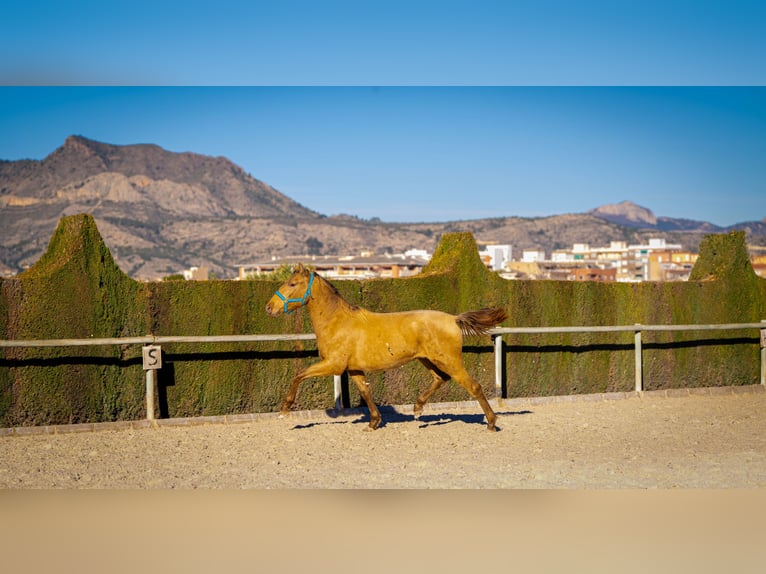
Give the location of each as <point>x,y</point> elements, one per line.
<point>292,284</point>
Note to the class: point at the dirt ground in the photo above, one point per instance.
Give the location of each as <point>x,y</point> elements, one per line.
<point>709,438</point>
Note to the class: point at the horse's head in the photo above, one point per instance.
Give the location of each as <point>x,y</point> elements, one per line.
<point>293,293</point>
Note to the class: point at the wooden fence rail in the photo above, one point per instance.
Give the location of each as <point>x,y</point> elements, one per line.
<point>637,329</point>
<point>154,341</point>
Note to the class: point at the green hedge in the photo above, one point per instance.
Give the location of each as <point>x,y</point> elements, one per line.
<point>77,291</point>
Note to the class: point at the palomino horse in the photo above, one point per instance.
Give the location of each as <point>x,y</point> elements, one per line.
<point>356,340</point>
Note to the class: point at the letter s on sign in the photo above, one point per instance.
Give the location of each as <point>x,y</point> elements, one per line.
<point>152,357</point>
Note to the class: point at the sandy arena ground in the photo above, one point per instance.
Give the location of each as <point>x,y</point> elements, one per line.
<point>708,438</point>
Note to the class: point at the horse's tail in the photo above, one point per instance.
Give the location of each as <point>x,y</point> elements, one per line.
<point>481,321</point>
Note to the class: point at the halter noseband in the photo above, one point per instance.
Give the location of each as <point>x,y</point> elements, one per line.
<point>303,300</point>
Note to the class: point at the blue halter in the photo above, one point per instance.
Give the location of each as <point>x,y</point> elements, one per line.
<point>303,300</point>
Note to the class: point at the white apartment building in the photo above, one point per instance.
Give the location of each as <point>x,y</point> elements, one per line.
<point>532,255</point>
<point>632,262</point>
<point>496,256</point>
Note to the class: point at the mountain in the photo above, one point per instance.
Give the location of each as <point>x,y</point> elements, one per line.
<point>160,212</point>
<point>137,194</point>
<point>626,213</point>
<point>86,172</point>
<point>629,214</point>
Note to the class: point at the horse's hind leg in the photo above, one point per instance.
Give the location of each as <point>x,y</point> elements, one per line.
<point>439,378</point>
<point>364,389</point>
<point>475,390</point>
<point>461,376</point>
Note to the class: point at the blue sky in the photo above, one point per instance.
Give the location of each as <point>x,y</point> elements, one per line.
<point>437,153</point>
<point>413,111</point>
<point>396,42</point>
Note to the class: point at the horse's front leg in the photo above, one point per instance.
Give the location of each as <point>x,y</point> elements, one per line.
<point>364,389</point>
<point>320,369</point>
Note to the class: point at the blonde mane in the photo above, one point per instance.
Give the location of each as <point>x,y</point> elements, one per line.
<point>333,297</point>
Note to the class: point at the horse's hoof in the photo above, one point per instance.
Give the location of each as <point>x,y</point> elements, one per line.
<point>492,428</point>
<point>284,414</point>
<point>372,426</point>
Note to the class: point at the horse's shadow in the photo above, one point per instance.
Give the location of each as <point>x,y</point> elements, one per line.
<point>392,416</point>
<point>438,419</point>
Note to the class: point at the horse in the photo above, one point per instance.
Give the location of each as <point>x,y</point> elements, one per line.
<point>354,339</point>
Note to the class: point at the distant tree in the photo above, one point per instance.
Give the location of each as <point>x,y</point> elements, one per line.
<point>281,273</point>
<point>314,246</point>
<point>174,277</point>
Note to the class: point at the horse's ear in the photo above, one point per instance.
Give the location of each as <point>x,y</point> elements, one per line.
<point>298,268</point>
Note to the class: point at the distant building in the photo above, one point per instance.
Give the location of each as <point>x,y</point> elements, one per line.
<point>363,266</point>
<point>670,265</point>
<point>201,273</point>
<point>657,261</point>
<point>532,255</point>
<point>496,257</point>
<point>592,274</point>
<point>759,263</point>
<point>422,253</point>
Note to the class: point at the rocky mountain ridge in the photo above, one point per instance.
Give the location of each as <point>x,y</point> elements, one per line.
<point>632,215</point>
<point>161,212</point>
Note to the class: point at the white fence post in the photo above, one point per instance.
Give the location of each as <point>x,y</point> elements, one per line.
<point>338,385</point>
<point>151,393</point>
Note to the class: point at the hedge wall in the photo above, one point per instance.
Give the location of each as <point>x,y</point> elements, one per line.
<point>77,291</point>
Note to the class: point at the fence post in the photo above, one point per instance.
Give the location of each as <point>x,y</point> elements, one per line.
<point>763,352</point>
<point>152,355</point>
<point>639,362</point>
<point>499,356</point>
<point>151,393</point>
<point>338,389</point>
<point>342,397</point>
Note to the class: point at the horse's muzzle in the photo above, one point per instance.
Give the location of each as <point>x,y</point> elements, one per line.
<point>273,310</point>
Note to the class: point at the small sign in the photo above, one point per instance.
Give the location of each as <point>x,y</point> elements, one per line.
<point>152,357</point>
